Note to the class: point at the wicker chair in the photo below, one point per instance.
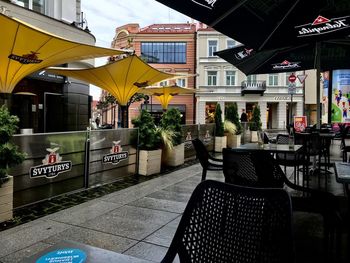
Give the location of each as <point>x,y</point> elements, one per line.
<point>229,223</point>
<point>265,172</point>
<point>207,161</point>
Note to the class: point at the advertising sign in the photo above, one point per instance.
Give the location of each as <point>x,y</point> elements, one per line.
<point>341,96</point>
<point>300,123</point>
<point>325,102</point>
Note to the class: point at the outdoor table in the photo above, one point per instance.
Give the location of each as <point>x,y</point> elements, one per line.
<point>69,251</point>
<point>342,175</point>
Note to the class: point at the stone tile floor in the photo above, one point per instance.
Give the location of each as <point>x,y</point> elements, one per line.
<point>139,220</point>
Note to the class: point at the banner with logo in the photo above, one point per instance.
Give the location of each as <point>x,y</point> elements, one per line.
<point>300,123</point>
<point>341,96</point>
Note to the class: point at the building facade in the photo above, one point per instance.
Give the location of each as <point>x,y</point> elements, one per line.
<point>167,47</point>
<point>47,102</point>
<point>220,82</point>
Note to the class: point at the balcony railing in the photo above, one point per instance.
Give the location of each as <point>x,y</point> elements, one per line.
<point>253,87</point>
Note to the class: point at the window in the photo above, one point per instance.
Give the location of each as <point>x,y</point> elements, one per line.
<point>181,82</point>
<point>212,77</point>
<point>230,43</point>
<point>212,47</point>
<point>251,79</point>
<point>273,79</point>
<point>35,5</point>
<point>164,52</point>
<point>230,78</point>
<point>163,83</point>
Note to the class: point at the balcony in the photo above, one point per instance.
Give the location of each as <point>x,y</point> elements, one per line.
<point>253,87</point>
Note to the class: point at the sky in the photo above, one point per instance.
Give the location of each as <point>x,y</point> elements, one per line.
<point>103,16</point>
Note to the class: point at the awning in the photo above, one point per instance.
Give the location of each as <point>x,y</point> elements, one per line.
<point>166,93</point>
<point>122,78</point>
<point>25,49</point>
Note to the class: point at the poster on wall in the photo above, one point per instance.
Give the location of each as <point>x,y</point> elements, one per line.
<point>325,102</point>
<point>300,123</point>
<point>341,96</point>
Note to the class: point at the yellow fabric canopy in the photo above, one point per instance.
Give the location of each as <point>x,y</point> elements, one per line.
<point>122,78</point>
<point>25,49</point>
<point>166,93</point>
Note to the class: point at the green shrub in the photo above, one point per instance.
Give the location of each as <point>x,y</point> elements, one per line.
<point>255,122</point>
<point>10,156</point>
<point>149,135</point>
<point>232,116</point>
<point>219,125</point>
<point>171,120</point>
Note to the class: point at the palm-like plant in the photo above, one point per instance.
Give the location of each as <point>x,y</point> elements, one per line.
<point>171,120</point>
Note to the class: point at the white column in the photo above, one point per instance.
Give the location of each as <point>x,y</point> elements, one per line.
<point>240,105</point>
<point>200,112</point>
<point>299,109</point>
<point>281,115</point>
<point>263,109</point>
<point>222,106</point>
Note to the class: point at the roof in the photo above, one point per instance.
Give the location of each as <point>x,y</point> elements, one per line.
<point>169,28</point>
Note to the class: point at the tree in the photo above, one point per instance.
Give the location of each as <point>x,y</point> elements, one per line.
<point>255,123</point>
<point>232,116</point>
<point>9,153</point>
<point>219,126</point>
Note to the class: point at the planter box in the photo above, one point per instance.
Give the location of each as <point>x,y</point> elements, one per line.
<point>150,162</point>
<point>175,156</point>
<point>254,136</point>
<point>6,200</point>
<point>233,140</point>
<point>220,143</point>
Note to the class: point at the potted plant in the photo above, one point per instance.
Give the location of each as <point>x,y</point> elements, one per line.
<point>233,132</point>
<point>149,144</point>
<point>174,153</point>
<point>255,124</point>
<point>220,138</point>
<point>10,156</point>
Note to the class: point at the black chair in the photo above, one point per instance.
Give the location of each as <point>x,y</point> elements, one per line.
<point>345,148</point>
<point>228,223</point>
<point>264,171</point>
<point>207,161</point>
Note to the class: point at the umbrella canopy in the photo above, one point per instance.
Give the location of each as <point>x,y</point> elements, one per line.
<point>122,78</point>
<point>332,54</point>
<point>165,93</point>
<point>263,24</point>
<point>25,49</point>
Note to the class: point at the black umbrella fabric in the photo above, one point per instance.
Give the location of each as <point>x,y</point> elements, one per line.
<point>268,24</point>
<point>332,54</point>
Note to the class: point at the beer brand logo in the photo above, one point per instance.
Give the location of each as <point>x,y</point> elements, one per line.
<point>52,165</point>
<point>188,141</point>
<point>243,54</point>
<point>285,65</point>
<point>205,3</point>
<point>322,25</point>
<point>31,58</point>
<point>116,154</point>
<point>207,138</point>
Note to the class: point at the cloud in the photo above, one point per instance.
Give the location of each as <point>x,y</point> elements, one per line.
<point>104,16</point>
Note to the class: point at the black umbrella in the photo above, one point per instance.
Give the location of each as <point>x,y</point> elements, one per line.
<point>331,54</point>
<point>266,24</point>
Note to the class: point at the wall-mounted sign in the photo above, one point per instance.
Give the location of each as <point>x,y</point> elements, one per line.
<point>116,154</point>
<point>52,165</point>
<point>283,98</point>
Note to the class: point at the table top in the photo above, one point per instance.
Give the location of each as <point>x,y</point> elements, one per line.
<point>273,148</point>
<point>342,172</point>
<point>69,251</point>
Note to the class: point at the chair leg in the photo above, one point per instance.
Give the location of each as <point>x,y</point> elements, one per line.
<point>204,174</point>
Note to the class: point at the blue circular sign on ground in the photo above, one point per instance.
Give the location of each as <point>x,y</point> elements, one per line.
<point>65,255</point>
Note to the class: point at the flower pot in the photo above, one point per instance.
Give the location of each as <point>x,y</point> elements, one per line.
<point>234,140</point>
<point>6,200</point>
<point>254,136</point>
<point>175,156</point>
<point>220,143</point>
<point>150,162</point>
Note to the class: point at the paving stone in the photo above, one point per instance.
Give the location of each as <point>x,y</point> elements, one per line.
<point>172,196</point>
<point>20,255</point>
<point>147,251</point>
<point>160,204</point>
<point>163,236</point>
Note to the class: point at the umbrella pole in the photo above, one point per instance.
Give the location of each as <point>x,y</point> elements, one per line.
<point>125,116</point>
<point>318,85</point>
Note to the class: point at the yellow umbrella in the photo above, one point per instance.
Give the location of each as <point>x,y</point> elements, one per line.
<point>25,49</point>
<point>165,93</point>
<point>122,78</point>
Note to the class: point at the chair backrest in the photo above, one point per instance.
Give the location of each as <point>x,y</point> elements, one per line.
<point>344,134</point>
<point>201,152</point>
<point>230,223</point>
<point>283,139</point>
<point>255,169</point>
